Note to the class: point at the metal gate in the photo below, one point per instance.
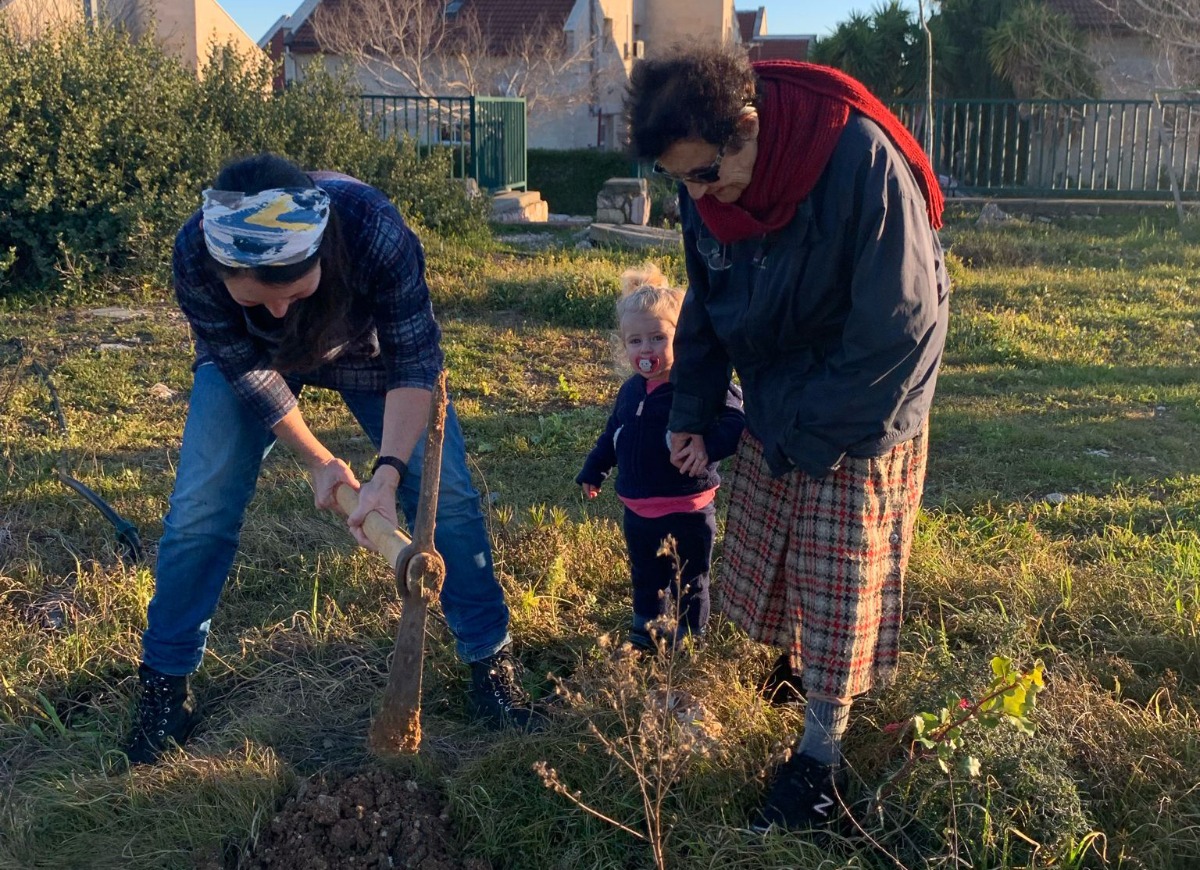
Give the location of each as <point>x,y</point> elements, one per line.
<point>486,136</point>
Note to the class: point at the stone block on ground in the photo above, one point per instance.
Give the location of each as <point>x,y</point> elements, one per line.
<point>520,206</point>
<point>623,201</point>
<point>991,215</point>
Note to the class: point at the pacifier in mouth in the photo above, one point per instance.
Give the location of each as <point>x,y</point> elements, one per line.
<point>648,365</point>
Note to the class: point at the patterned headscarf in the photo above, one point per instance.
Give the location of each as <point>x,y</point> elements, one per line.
<point>276,227</point>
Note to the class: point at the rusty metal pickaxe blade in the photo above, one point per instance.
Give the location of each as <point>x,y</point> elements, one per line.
<point>420,572</point>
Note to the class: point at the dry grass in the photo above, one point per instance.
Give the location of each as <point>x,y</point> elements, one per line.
<point>1061,523</point>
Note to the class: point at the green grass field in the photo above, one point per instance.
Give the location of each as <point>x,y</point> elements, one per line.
<point>1060,524</point>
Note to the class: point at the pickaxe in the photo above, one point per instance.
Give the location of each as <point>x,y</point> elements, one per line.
<point>419,575</point>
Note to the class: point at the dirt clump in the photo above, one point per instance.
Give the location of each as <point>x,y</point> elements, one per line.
<point>371,820</point>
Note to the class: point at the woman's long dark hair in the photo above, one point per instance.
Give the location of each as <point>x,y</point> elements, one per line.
<point>312,327</point>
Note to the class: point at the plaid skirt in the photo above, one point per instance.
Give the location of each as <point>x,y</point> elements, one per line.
<point>816,566</point>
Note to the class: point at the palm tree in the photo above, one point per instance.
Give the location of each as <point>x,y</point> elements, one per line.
<point>884,51</point>
<point>1041,54</point>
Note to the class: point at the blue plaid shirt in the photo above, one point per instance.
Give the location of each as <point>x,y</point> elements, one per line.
<point>395,336</point>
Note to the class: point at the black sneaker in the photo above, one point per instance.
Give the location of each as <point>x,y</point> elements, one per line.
<point>497,697</point>
<point>166,715</point>
<point>781,686</point>
<point>804,795</point>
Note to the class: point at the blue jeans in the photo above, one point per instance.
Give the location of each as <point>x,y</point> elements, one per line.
<point>224,444</point>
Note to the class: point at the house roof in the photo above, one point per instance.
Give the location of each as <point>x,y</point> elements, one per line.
<point>780,47</point>
<point>1096,14</point>
<point>289,23</point>
<point>504,21</point>
<point>750,23</point>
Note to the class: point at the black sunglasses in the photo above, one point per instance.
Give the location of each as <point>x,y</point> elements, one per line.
<point>708,175</point>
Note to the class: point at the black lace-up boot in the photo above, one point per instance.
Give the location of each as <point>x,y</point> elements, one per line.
<point>497,696</point>
<point>166,714</point>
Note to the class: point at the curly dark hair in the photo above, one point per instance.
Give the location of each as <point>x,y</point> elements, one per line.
<point>691,92</point>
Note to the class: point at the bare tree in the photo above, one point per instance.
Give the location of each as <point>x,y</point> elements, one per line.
<point>927,127</point>
<point>1173,24</point>
<point>418,47</point>
<point>27,20</point>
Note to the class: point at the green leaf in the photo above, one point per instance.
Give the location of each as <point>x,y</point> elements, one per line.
<point>925,722</point>
<point>1023,725</point>
<point>1001,667</point>
<point>969,766</point>
<point>1036,676</point>
<point>1013,701</point>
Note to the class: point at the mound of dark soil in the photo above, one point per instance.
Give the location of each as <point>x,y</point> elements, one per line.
<point>372,820</point>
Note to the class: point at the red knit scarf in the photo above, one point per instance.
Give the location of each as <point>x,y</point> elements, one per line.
<point>803,111</point>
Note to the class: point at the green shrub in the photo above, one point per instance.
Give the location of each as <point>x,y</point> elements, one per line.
<point>92,131</point>
<point>569,180</point>
<point>106,144</point>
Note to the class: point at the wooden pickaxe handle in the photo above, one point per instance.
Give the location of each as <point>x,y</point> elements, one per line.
<point>419,575</point>
<point>388,539</point>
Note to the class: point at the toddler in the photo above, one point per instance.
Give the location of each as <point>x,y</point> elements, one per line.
<point>659,499</point>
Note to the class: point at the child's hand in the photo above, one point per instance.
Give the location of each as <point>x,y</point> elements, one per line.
<point>590,491</point>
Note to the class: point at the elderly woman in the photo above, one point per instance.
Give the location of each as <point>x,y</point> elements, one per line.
<point>814,268</point>
<point>291,280</point>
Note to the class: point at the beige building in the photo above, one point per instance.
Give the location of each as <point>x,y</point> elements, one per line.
<point>601,39</point>
<point>1130,64</point>
<point>184,28</point>
<point>29,19</point>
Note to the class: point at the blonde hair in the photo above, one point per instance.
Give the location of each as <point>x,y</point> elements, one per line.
<point>645,290</point>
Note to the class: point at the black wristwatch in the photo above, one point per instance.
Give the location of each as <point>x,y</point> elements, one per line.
<point>395,462</point>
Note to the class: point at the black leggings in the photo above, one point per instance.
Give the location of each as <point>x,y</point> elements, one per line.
<point>655,578</point>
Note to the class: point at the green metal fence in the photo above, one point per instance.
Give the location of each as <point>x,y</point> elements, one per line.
<point>485,135</point>
<point>1067,148</point>
<point>498,144</point>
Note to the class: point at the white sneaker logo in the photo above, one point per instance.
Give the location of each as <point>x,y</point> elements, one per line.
<point>824,805</point>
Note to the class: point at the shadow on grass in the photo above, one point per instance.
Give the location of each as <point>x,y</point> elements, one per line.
<point>1011,434</point>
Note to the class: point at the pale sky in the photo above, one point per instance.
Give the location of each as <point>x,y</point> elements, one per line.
<point>783,16</point>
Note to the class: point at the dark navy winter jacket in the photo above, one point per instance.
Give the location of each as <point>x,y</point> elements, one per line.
<point>635,440</point>
<point>834,323</point>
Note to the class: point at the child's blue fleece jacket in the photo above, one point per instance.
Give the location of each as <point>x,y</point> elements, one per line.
<point>635,440</point>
